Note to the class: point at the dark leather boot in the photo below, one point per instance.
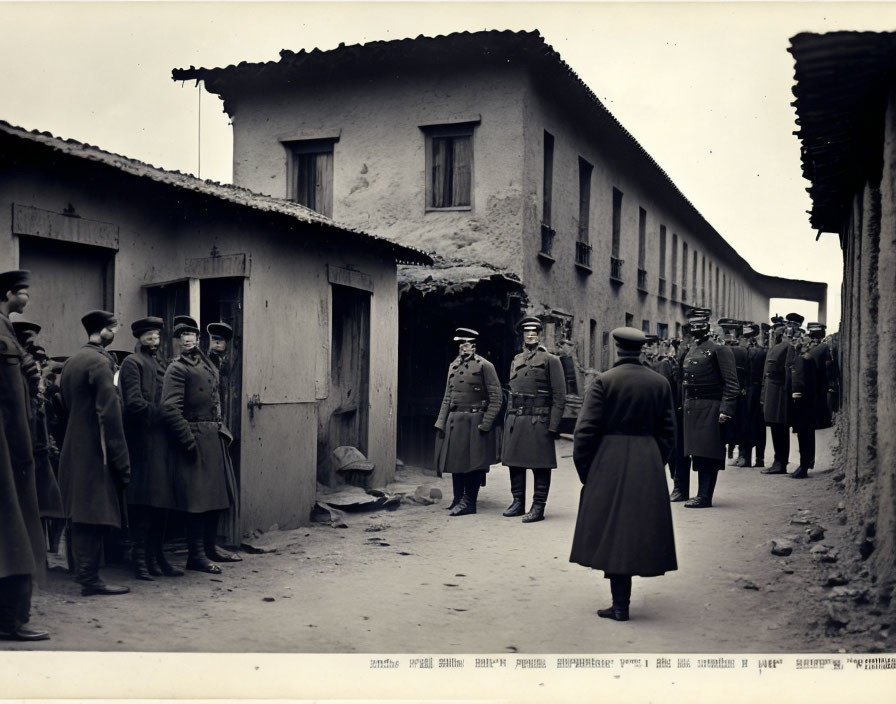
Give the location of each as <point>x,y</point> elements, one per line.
<point>535,514</point>
<point>777,467</point>
<point>800,473</point>
<point>518,492</point>
<point>464,508</point>
<point>457,488</point>
<point>539,496</point>
<point>141,568</point>
<point>196,559</point>
<point>515,509</point>
<point>209,537</point>
<point>617,613</point>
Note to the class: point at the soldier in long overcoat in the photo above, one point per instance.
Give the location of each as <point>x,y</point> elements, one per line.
<point>681,478</point>
<point>624,435</point>
<point>94,467</point>
<point>537,396</point>
<point>465,440</point>
<point>737,431</point>
<point>776,395</point>
<point>710,390</point>
<point>151,491</point>
<point>666,366</point>
<point>755,422</point>
<point>200,461</point>
<point>820,353</point>
<point>22,552</point>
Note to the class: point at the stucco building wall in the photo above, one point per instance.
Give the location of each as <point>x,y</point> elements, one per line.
<point>286,315</point>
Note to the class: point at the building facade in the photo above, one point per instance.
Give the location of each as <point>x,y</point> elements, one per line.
<point>487,149</point>
<point>846,105</point>
<point>313,304</point>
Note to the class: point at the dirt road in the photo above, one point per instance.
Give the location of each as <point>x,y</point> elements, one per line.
<point>415,580</point>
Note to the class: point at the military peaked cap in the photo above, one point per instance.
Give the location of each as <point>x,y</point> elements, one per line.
<point>96,320</point>
<point>13,281</point>
<point>25,330</point>
<point>222,330</point>
<point>530,322</point>
<point>795,318</point>
<point>650,339</point>
<point>138,327</point>
<point>629,338</point>
<point>186,320</point>
<point>465,335</point>
<point>750,330</point>
<point>181,328</point>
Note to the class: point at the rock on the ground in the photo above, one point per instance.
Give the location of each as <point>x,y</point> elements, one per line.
<point>836,579</point>
<point>781,547</point>
<point>745,583</point>
<point>838,615</point>
<point>816,533</point>
<point>435,493</point>
<point>324,513</point>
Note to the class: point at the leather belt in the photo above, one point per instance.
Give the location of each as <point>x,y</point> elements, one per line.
<point>529,411</point>
<point>465,408</point>
<point>703,394</point>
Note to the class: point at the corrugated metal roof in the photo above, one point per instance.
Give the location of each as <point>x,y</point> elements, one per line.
<point>477,48</point>
<point>223,192</point>
<point>841,80</point>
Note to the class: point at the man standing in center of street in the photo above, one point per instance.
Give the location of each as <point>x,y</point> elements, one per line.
<point>537,396</point>
<point>776,394</point>
<point>710,390</point>
<point>94,467</point>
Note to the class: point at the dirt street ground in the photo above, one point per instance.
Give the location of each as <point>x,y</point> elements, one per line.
<point>415,580</point>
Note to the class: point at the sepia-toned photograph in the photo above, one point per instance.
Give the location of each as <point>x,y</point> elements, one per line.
<point>509,351</point>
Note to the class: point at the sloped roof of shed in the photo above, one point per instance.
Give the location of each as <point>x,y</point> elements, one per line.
<point>240,197</point>
<point>841,80</point>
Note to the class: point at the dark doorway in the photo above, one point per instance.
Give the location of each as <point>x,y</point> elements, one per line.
<point>344,413</point>
<point>221,300</point>
<point>67,280</point>
<point>167,301</point>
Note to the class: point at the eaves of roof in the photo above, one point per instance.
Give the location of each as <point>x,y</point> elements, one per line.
<point>841,83</point>
<point>240,197</point>
<point>523,48</point>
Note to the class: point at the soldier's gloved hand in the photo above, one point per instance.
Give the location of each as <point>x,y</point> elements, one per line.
<point>724,418</point>
<point>482,428</point>
<point>797,394</point>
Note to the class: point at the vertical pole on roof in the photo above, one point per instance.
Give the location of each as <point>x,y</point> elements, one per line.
<point>199,129</point>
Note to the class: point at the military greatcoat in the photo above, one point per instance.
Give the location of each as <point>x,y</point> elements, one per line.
<point>537,395</point>
<point>21,535</point>
<point>140,383</point>
<point>709,384</point>
<point>469,408</point>
<point>94,452</point>
<point>776,387</point>
<point>737,430</point>
<point>199,456</point>
<point>755,419</point>
<point>624,435</point>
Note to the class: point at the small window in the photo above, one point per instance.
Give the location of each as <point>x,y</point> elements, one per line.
<point>645,326</point>
<point>548,178</point>
<point>617,222</point>
<point>605,350</point>
<point>310,177</point>
<point>629,320</point>
<point>585,170</point>
<point>642,238</point>
<point>592,343</point>
<point>449,167</point>
<point>662,331</point>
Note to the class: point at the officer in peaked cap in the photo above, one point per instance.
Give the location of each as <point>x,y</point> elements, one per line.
<point>465,442</point>
<point>201,468</point>
<point>710,390</point>
<point>151,492</point>
<point>94,467</point>
<point>220,335</point>
<point>754,423</point>
<point>537,395</point>
<point>820,351</point>
<point>624,434</point>
<point>808,399</point>
<point>22,547</point>
<point>777,383</point>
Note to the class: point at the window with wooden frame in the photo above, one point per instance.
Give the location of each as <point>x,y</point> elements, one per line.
<point>449,166</point>
<point>310,174</point>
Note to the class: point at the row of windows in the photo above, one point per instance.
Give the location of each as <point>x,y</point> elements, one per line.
<point>726,294</point>
<point>449,169</point>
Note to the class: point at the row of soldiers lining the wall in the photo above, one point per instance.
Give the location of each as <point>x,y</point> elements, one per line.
<point>127,454</point>
<point>679,405</point>
<point>727,389</point>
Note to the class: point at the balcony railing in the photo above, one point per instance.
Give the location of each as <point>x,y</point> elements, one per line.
<point>661,288</point>
<point>674,294</point>
<point>583,255</point>
<point>642,280</point>
<point>547,241</point>
<point>616,269</point>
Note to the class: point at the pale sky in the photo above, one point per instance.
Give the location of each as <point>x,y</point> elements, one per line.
<point>705,88</point>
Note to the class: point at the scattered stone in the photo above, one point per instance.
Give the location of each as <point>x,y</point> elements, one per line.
<point>268,598</point>
<point>786,570</point>
<point>324,513</point>
<point>255,549</point>
<point>746,583</point>
<point>435,493</point>
<point>274,528</point>
<point>800,521</point>
<point>449,585</point>
<point>781,547</point>
<point>839,477</point>
<point>376,528</point>
<point>836,579</point>
<point>403,553</point>
<point>841,507</point>
<point>838,615</point>
<point>819,549</point>
<point>842,519</point>
<point>816,533</point>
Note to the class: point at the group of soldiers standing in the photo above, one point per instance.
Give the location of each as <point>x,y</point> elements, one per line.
<point>82,452</point>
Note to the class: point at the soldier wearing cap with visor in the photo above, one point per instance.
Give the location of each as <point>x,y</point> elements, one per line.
<point>777,390</point>
<point>735,431</point>
<point>809,409</point>
<point>151,491</point>
<point>465,443</point>
<point>709,383</point>
<point>94,466</point>
<point>754,426</point>
<point>537,395</point>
